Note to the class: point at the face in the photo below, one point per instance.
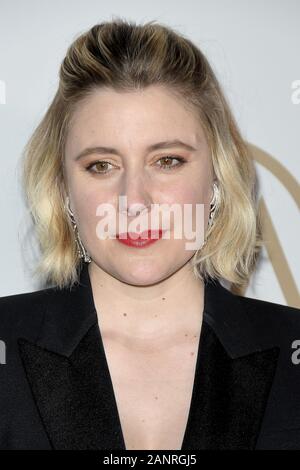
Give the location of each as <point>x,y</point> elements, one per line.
<point>127,124</point>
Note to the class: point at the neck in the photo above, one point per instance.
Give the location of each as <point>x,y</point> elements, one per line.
<point>146,312</point>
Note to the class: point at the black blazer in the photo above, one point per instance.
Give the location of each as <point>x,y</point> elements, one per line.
<point>56,391</point>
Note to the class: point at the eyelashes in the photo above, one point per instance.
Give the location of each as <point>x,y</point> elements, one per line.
<point>180,161</point>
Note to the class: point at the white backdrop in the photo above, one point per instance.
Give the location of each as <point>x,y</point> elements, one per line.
<point>254,48</point>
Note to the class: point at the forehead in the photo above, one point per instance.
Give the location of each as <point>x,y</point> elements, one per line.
<point>136,117</point>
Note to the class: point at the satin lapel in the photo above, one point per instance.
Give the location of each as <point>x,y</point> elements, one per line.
<point>74,394</point>
<point>229,396</point>
<point>68,374</point>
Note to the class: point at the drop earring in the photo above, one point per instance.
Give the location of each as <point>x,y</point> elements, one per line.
<point>80,247</point>
<point>214,204</point>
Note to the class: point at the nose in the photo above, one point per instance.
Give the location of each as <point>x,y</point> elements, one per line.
<point>134,195</point>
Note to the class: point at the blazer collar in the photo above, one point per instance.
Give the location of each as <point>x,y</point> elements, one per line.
<point>68,374</point>
<point>71,312</point>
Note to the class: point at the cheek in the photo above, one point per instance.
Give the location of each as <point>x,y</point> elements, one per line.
<point>88,193</point>
<point>87,204</point>
<point>184,194</point>
<point>192,194</point>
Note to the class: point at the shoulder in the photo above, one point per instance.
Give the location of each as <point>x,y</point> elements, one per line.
<point>20,313</point>
<point>263,309</point>
<point>272,319</point>
<point>260,314</point>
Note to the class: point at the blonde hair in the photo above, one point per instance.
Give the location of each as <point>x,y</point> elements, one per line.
<point>125,56</point>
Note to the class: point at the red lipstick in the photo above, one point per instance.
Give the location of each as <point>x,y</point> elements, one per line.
<point>140,240</point>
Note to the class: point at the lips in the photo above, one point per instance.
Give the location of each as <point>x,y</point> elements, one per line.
<point>145,235</point>
<point>142,239</point>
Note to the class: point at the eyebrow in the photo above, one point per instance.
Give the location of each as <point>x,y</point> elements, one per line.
<point>110,150</point>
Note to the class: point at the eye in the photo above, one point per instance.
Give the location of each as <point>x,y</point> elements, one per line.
<point>101,167</point>
<point>168,162</point>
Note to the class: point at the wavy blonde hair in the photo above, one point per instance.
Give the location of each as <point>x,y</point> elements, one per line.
<point>125,56</point>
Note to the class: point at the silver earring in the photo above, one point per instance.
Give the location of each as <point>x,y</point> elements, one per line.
<point>213,207</point>
<point>80,247</point>
<point>214,203</point>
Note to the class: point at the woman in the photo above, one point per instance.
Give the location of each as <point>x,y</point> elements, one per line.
<point>137,344</point>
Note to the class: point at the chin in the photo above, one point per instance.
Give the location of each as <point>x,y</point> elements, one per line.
<point>141,275</point>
